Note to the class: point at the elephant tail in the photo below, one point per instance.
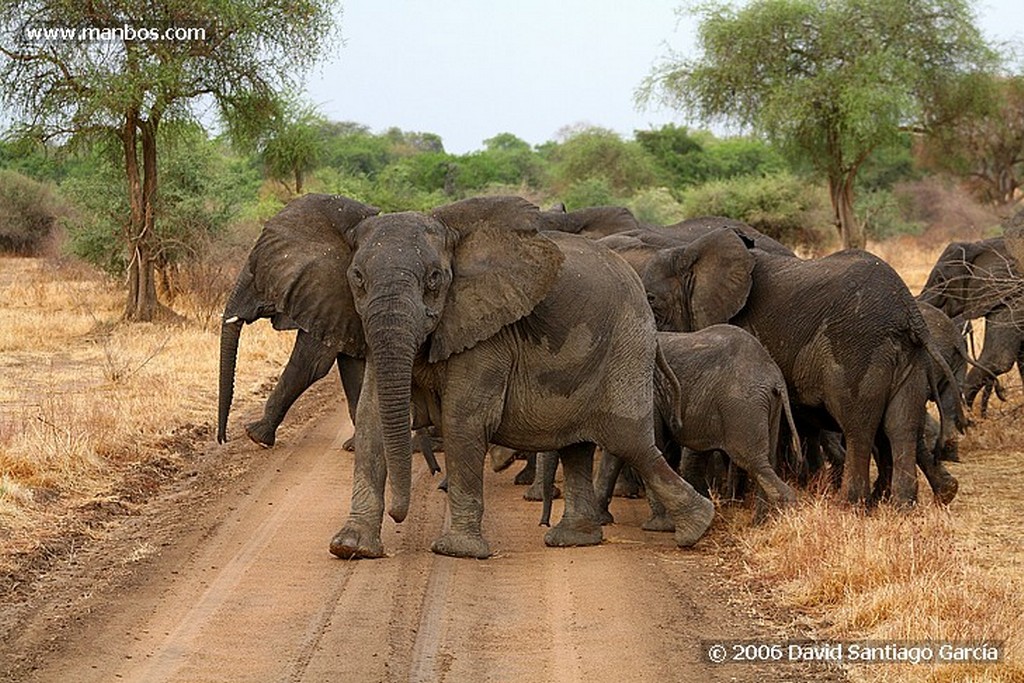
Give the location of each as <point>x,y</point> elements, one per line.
<point>668,395</point>
<point>794,442</point>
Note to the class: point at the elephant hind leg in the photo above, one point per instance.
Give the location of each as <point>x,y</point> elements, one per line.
<point>691,512</point>
<point>903,424</point>
<point>579,525</point>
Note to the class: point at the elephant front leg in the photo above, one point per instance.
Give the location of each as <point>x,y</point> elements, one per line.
<point>360,537</point>
<point>309,362</point>
<point>465,467</point>
<point>579,525</point>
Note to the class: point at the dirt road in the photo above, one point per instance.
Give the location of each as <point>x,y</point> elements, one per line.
<point>243,589</point>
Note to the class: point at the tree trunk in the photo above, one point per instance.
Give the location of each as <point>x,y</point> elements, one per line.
<point>141,238</point>
<point>850,230</point>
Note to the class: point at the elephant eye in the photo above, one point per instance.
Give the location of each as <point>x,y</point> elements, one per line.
<point>357,278</point>
<point>434,280</point>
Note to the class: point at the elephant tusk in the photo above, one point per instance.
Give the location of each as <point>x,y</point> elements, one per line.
<point>232,320</point>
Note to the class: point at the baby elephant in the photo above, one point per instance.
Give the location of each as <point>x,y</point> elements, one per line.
<point>733,400</point>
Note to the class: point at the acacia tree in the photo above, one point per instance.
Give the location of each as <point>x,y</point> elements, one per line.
<point>986,149</point>
<point>291,147</point>
<point>829,82</point>
<point>121,69</point>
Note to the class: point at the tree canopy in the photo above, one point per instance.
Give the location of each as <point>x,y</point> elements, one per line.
<point>76,69</point>
<point>829,82</point>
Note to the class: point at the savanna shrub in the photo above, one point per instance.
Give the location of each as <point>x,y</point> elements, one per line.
<point>593,191</point>
<point>883,213</point>
<point>29,213</point>
<point>779,205</point>
<point>656,205</point>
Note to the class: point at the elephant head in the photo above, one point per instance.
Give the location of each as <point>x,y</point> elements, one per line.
<point>970,279</point>
<point>403,287</point>
<point>704,283</point>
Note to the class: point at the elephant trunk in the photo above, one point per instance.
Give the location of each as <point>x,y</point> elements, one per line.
<point>229,335</point>
<point>240,309</point>
<point>393,346</point>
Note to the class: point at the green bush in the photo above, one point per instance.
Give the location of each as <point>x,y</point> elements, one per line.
<point>598,153</point>
<point>779,205</point>
<point>593,191</point>
<point>201,189</point>
<point>29,214</point>
<point>656,205</point>
<point>884,214</point>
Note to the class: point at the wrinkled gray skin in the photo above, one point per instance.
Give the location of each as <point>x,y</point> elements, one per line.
<point>982,279</point>
<point>309,362</point>
<point>843,329</point>
<point>734,399</point>
<point>530,341</point>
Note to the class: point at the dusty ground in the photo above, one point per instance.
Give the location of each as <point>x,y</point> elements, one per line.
<point>224,575</point>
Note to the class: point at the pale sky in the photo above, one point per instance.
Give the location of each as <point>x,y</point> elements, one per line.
<point>470,69</point>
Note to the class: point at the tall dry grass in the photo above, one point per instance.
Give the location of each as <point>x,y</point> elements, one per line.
<point>83,396</point>
<point>893,576</point>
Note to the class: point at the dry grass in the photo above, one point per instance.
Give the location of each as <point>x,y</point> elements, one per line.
<point>82,396</point>
<point>894,576</point>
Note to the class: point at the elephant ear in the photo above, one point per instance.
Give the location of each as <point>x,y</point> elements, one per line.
<point>719,269</point>
<point>502,267</point>
<point>299,263</point>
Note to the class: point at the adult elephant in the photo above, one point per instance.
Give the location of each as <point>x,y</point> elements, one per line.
<point>531,341</point>
<point>982,279</point>
<point>843,329</point>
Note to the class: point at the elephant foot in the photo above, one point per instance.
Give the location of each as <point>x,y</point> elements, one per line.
<point>261,434</point>
<point>695,523</point>
<point>352,543</point>
<point>945,494</point>
<point>604,517</point>
<point>628,486</point>
<point>350,444</point>
<point>659,523</point>
<point>501,458</point>
<point>462,545</point>
<point>536,492</point>
<point>526,475</point>
<point>572,535</point>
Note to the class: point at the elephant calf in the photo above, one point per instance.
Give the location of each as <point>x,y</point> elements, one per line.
<point>733,400</point>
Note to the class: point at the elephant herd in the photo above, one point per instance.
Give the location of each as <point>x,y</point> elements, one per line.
<point>491,322</point>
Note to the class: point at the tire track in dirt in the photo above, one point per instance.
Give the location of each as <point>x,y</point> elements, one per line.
<point>259,598</point>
